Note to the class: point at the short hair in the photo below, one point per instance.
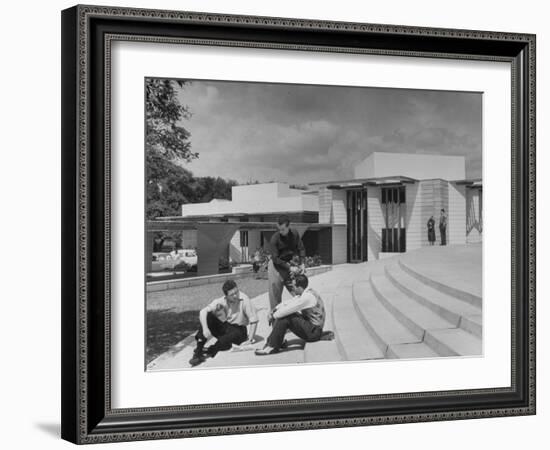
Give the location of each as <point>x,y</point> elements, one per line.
<point>283,219</point>
<point>301,281</point>
<point>228,286</point>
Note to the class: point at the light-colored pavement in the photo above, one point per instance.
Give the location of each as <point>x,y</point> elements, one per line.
<point>422,304</point>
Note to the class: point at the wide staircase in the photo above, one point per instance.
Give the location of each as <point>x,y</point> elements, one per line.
<point>398,310</point>
<point>421,304</point>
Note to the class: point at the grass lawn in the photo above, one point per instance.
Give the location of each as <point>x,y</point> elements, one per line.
<point>173,315</point>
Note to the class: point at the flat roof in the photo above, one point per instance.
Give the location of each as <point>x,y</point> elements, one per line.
<point>183,224</point>
<point>339,184</point>
<point>475,182</point>
<point>237,214</point>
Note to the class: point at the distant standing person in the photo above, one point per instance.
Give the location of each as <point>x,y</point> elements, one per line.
<point>256,262</point>
<point>443,227</point>
<point>285,245</point>
<point>431,230</point>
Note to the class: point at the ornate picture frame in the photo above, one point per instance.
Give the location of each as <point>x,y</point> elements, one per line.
<point>88,33</point>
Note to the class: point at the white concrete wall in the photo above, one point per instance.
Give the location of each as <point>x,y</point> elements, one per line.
<point>257,198</point>
<point>418,166</point>
<point>456,214</point>
<point>252,192</point>
<point>375,222</point>
<point>235,253</point>
<point>339,245</point>
<point>325,205</point>
<point>427,208</point>
<point>474,224</point>
<point>339,205</point>
<point>414,227</point>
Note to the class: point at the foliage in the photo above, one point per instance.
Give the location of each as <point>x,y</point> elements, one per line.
<point>313,261</point>
<point>309,261</point>
<point>163,114</point>
<point>168,146</point>
<point>169,186</point>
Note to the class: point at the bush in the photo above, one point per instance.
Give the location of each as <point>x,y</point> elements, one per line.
<point>313,261</point>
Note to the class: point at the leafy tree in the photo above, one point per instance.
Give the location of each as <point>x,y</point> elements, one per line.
<point>163,113</point>
<point>167,146</point>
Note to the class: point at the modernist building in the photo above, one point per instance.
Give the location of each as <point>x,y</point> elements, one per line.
<point>382,210</point>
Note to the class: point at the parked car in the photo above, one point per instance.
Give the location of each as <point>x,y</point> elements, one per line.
<point>188,255</point>
<point>163,261</point>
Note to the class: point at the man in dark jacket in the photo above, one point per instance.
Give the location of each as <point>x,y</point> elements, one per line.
<point>443,227</point>
<point>285,244</point>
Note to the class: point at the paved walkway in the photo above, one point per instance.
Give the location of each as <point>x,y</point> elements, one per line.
<point>378,309</point>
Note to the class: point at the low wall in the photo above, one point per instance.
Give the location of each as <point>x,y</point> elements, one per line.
<point>155,286</point>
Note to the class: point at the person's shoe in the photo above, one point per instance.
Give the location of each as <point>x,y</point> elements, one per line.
<point>197,359</point>
<point>327,336</point>
<point>284,344</point>
<point>266,351</point>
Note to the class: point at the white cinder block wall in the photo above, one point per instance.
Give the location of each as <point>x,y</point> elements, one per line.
<point>339,206</point>
<point>456,213</point>
<point>427,209</point>
<point>325,204</point>
<point>413,222</point>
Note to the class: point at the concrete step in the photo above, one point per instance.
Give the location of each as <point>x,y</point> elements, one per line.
<point>444,287</point>
<point>453,342</point>
<point>411,351</point>
<point>386,330</point>
<point>352,338</point>
<point>472,324</point>
<point>324,351</point>
<point>411,314</point>
<point>452,309</point>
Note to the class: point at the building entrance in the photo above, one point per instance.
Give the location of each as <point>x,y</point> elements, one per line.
<point>357,225</point>
<point>394,211</point>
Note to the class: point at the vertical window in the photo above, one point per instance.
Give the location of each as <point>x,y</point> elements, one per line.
<point>244,238</point>
<point>394,209</point>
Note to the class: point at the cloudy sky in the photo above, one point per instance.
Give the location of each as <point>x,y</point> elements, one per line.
<point>302,133</point>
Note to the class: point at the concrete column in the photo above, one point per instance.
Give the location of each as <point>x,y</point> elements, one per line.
<point>213,240</point>
<point>253,241</point>
<point>339,207</point>
<point>415,226</point>
<point>235,252</point>
<point>325,205</point>
<point>375,222</point>
<point>339,244</point>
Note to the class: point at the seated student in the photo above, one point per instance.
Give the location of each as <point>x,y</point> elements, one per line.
<point>304,315</point>
<point>225,318</point>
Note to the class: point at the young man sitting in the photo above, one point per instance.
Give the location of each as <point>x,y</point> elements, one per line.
<point>226,318</point>
<point>304,315</point>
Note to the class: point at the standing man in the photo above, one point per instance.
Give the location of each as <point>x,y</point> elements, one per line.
<point>226,318</point>
<point>285,244</point>
<point>431,230</point>
<point>443,227</point>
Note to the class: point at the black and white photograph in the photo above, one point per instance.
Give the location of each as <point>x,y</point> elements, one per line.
<point>302,224</point>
